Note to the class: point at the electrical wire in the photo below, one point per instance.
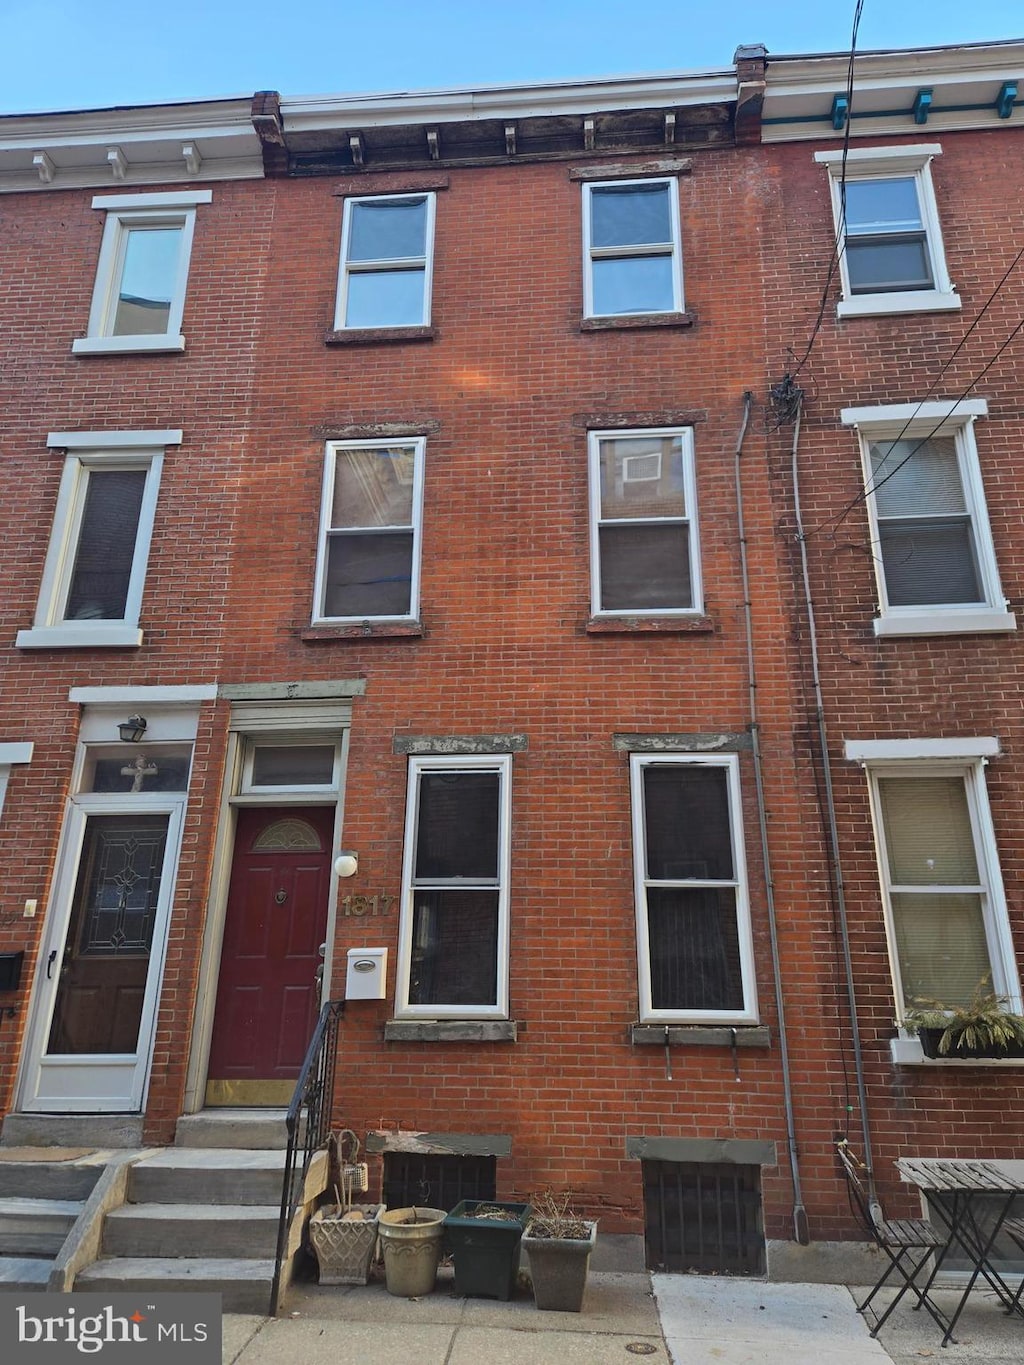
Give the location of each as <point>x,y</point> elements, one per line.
<point>840,245</point>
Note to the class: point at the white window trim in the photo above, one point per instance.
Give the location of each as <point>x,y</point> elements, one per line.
<point>418,445</point>
<point>1005,979</point>
<point>502,765</point>
<point>88,451</point>
<point>648,1014</point>
<point>594,439</point>
<point>344,270</point>
<point>591,253</point>
<point>953,418</point>
<point>880,163</point>
<point>879,750</point>
<point>9,755</point>
<point>125,211</point>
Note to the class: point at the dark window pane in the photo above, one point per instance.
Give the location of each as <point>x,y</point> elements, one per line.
<point>369,575</point>
<point>686,823</point>
<point>637,215</point>
<point>695,953</point>
<point>454,948</point>
<point>387,231</point>
<point>385,298</point>
<point>928,563</point>
<point>457,831</point>
<point>879,264</point>
<point>633,284</point>
<point>644,568</point>
<point>292,765</point>
<point>158,772</point>
<point>106,545</point>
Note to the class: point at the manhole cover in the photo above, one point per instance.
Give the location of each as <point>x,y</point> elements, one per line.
<point>640,1348</point>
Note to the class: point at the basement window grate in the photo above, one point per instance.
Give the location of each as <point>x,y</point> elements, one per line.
<point>704,1217</point>
<point>437,1182</point>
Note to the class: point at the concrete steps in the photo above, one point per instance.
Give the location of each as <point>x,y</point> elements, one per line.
<point>41,1197</point>
<point>225,1231</point>
<point>244,1283</point>
<point>36,1227</point>
<point>216,1175</point>
<point>24,1274</point>
<point>262,1129</point>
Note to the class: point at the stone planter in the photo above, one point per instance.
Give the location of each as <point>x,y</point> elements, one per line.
<point>558,1269</point>
<point>344,1246</point>
<point>411,1241</point>
<point>485,1250</point>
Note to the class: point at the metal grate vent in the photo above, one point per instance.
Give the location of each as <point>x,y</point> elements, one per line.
<point>438,1182</point>
<point>703,1216</point>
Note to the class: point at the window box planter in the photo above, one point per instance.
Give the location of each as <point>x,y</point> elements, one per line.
<point>485,1246</point>
<point>929,1038</point>
<point>558,1268</point>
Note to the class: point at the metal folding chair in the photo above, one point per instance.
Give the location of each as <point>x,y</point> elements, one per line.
<point>1014,1229</point>
<point>907,1244</point>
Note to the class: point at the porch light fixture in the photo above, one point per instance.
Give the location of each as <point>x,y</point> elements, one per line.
<point>346,864</point>
<point>132,730</point>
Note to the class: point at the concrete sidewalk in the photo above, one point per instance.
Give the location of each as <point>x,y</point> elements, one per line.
<point>666,1319</point>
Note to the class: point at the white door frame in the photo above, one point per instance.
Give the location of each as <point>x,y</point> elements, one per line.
<point>100,1083</point>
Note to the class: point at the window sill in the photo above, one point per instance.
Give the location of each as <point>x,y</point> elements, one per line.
<point>127,345</point>
<point>376,336</point>
<point>364,630</point>
<point>980,621</point>
<point>908,1052</point>
<point>710,1035</point>
<point>911,301</point>
<point>80,637</point>
<point>650,625</point>
<point>621,321</point>
<point>451,1031</point>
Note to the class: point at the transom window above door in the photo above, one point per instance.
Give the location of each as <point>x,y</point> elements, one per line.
<point>275,764</point>
<point>126,768</point>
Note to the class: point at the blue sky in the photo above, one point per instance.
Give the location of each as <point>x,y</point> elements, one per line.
<point>73,54</point>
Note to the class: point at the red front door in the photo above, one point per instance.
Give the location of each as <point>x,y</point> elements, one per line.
<point>268,991</point>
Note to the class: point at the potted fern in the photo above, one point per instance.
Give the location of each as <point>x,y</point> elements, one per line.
<point>558,1243</point>
<point>982,1029</point>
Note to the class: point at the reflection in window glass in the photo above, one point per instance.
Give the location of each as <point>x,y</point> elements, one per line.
<point>148,278</point>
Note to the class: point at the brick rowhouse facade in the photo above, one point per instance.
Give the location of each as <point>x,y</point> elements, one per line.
<point>505,662</point>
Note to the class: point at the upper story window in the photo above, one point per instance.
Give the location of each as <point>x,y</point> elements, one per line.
<point>694,943</point>
<point>942,889</point>
<point>387,246</point>
<point>139,295</point>
<point>891,257</point>
<point>632,257</point>
<point>644,550</point>
<point>370,520</point>
<point>454,933</point>
<point>95,568</point>
<point>933,551</point>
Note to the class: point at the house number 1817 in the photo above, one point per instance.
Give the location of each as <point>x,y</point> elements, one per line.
<point>367,905</point>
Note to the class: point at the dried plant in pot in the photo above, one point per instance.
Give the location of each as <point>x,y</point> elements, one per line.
<point>558,1242</point>
<point>983,1028</point>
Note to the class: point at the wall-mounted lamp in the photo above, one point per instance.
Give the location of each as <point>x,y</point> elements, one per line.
<point>132,730</point>
<point>346,864</point>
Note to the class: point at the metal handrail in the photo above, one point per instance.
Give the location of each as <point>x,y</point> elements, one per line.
<point>313,1098</point>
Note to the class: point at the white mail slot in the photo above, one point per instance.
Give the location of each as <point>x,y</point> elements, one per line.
<point>367,974</point>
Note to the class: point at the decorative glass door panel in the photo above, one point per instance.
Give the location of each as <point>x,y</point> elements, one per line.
<point>105,966</point>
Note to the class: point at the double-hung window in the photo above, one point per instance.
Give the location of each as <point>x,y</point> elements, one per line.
<point>644,552</point>
<point>932,545</point>
<point>139,295</point>
<point>891,257</point>
<point>945,907</point>
<point>387,246</point>
<point>632,256</point>
<point>693,918</point>
<point>453,956</point>
<point>371,511</point>
<point>95,568</point>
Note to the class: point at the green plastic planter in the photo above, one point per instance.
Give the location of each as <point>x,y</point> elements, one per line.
<point>485,1250</point>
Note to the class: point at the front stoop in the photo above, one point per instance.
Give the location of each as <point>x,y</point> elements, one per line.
<point>41,1197</point>
<point>203,1218</point>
